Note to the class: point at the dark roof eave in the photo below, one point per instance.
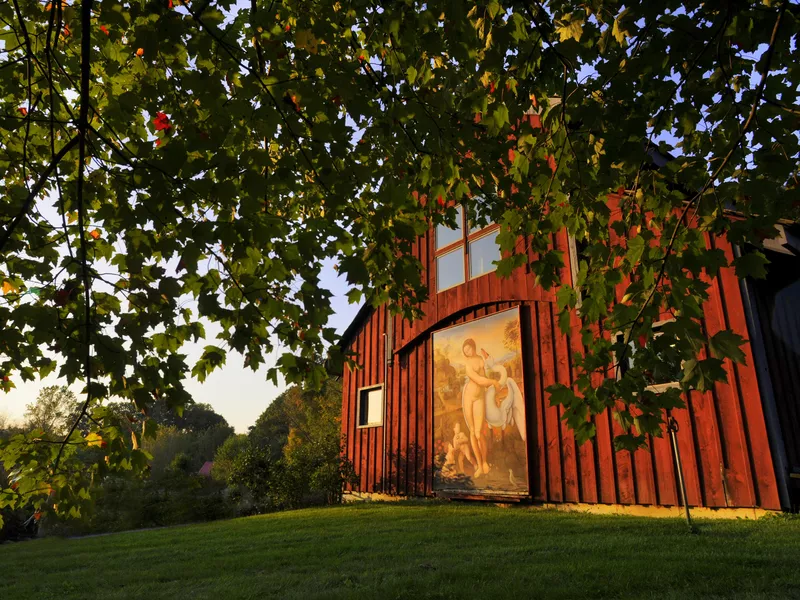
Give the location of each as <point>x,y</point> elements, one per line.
<point>361,316</point>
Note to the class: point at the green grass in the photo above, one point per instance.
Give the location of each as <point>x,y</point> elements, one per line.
<point>416,551</point>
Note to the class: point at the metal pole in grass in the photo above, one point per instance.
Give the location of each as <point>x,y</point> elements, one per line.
<point>673,432</point>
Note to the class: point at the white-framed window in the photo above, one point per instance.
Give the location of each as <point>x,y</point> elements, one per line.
<point>370,406</point>
<point>668,372</point>
<point>464,252</point>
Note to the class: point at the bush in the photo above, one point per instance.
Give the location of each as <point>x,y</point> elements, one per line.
<point>308,469</point>
<point>123,504</point>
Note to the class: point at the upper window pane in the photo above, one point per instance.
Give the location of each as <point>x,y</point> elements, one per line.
<point>446,236</point>
<point>450,269</point>
<point>482,253</point>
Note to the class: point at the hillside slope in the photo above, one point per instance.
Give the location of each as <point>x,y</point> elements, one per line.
<point>415,551</point>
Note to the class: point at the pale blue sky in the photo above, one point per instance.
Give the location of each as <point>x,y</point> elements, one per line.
<point>237,393</point>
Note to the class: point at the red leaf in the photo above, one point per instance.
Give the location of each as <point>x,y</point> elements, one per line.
<point>161,121</point>
<point>104,29</point>
<point>62,296</point>
<point>440,200</point>
<point>23,111</point>
<point>158,143</point>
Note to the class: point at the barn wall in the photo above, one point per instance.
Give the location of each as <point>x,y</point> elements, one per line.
<point>722,438</point>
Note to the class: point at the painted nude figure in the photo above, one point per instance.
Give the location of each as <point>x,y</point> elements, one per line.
<point>473,402</point>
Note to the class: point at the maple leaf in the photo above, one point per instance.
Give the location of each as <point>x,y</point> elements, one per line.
<point>161,122</point>
<point>95,233</point>
<point>305,40</point>
<point>104,29</point>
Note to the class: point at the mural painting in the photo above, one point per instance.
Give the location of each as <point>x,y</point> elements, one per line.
<point>479,429</point>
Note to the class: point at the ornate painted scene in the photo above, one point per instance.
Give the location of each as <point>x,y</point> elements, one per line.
<point>479,428</point>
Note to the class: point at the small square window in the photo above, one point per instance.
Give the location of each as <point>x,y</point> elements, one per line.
<point>667,373</point>
<point>370,406</point>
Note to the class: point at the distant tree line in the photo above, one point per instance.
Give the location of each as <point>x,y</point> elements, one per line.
<point>290,457</point>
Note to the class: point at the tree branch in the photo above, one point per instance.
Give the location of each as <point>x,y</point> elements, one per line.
<point>83,129</point>
<point>26,205</point>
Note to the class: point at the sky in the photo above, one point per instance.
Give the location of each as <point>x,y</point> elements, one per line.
<point>237,393</point>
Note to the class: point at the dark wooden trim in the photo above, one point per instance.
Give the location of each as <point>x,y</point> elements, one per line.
<point>404,344</point>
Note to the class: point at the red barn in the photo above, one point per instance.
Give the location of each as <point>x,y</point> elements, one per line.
<point>455,405</point>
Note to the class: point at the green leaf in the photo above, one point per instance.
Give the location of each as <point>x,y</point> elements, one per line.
<point>751,264</point>
<point>636,247</point>
<point>561,395</point>
<point>727,344</point>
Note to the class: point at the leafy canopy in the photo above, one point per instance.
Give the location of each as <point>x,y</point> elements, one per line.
<point>167,164</point>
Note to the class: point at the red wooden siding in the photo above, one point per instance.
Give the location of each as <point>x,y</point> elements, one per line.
<point>722,438</point>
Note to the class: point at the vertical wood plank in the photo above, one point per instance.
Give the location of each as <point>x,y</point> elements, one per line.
<point>534,407</point>
<point>707,440</point>
<point>562,373</point>
<point>421,402</point>
<point>645,481</point>
<point>686,444</point>
<point>395,417</point>
<point>586,459</point>
<point>735,467</point>
<point>664,468</point>
<point>357,438</point>
<point>766,486</point>
<point>347,414</point>
<point>555,481</point>
<point>369,365</point>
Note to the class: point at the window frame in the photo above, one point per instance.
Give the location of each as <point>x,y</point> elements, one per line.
<point>467,237</point>
<point>369,388</point>
<point>574,267</point>
<point>655,387</point>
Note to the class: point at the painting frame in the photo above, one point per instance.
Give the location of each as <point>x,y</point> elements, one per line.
<point>506,451</point>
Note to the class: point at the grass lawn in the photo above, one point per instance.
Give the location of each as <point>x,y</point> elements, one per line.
<point>416,551</point>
